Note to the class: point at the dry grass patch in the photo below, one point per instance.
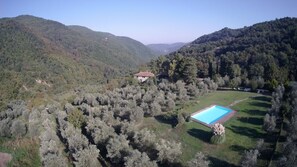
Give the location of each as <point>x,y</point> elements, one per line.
<point>24,151</point>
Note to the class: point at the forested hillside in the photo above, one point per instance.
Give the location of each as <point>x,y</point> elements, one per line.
<point>38,54</point>
<point>265,53</point>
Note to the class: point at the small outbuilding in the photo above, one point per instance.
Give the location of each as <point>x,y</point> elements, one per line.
<point>143,76</point>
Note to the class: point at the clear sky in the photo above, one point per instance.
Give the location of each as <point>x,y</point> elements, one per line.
<point>154,21</point>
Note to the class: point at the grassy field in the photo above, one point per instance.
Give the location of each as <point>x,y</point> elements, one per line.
<point>242,131</point>
<point>25,151</point>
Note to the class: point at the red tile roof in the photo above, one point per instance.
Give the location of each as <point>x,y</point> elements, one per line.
<point>144,74</point>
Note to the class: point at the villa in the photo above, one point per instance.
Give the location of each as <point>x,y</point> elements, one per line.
<point>143,76</point>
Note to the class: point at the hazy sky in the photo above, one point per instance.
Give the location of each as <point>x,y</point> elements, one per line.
<point>154,21</point>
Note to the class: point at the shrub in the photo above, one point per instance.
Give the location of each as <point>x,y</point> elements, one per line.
<point>217,139</point>
<point>76,118</point>
<point>218,134</point>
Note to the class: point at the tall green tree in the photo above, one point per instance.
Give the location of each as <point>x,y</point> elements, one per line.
<point>171,69</point>
<point>189,69</point>
<point>256,70</point>
<point>235,71</point>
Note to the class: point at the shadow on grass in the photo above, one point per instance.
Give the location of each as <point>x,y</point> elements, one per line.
<point>167,119</point>
<point>254,112</point>
<point>177,164</point>
<point>251,120</point>
<point>263,98</point>
<point>271,137</point>
<point>200,134</point>
<point>265,154</point>
<point>262,101</point>
<point>260,104</point>
<point>245,131</point>
<point>218,162</point>
<point>237,148</point>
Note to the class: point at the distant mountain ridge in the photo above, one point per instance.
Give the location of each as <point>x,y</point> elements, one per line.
<point>33,48</point>
<point>163,49</point>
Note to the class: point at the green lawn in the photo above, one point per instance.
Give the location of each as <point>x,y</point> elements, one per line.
<point>242,131</point>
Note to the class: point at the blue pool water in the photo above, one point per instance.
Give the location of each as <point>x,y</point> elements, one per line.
<point>212,114</point>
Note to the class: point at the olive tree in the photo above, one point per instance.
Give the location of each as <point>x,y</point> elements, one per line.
<point>168,152</point>
<point>117,148</point>
<point>249,158</point>
<point>136,159</point>
<point>87,157</point>
<point>200,160</point>
<point>50,152</point>
<point>144,140</point>
<point>99,131</point>
<point>269,123</point>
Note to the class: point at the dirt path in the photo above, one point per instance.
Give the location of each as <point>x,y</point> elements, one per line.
<point>238,101</point>
<point>4,159</point>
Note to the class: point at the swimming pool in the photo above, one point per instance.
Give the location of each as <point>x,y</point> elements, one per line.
<point>212,115</point>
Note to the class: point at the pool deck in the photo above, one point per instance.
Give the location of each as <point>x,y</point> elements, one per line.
<point>221,121</point>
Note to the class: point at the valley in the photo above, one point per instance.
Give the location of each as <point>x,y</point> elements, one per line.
<point>71,96</point>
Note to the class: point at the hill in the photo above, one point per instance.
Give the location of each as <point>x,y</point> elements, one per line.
<point>40,54</point>
<point>163,49</point>
<point>264,51</point>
